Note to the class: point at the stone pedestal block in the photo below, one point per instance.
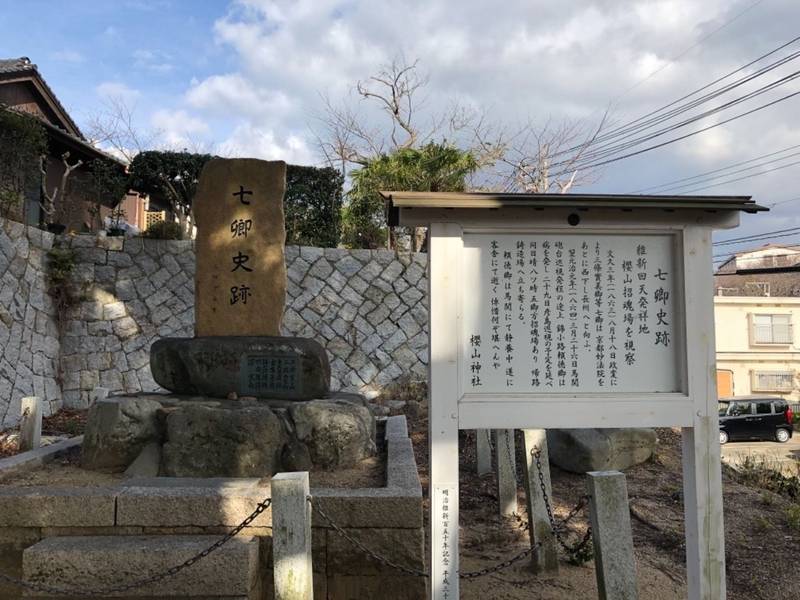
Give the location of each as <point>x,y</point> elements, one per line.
<point>584,450</point>
<point>260,366</point>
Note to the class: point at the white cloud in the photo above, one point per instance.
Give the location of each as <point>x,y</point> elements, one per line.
<point>116,89</point>
<point>233,92</point>
<point>253,142</point>
<point>152,60</point>
<point>67,55</point>
<point>179,129</point>
<point>518,59</point>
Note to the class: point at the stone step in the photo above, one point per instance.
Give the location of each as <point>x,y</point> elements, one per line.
<point>99,562</point>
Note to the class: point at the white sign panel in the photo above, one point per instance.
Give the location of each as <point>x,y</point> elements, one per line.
<point>564,314</point>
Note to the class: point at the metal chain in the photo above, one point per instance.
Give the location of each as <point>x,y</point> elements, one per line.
<point>374,555</point>
<point>58,591</point>
<point>502,565</point>
<point>557,528</point>
<point>417,572</point>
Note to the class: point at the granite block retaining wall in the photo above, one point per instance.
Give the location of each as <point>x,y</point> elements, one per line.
<point>29,345</point>
<point>367,307</point>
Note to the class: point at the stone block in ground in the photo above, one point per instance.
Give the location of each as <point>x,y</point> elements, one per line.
<point>260,366</point>
<point>117,429</point>
<point>191,502</point>
<point>224,441</point>
<point>337,433</point>
<point>147,463</point>
<point>97,562</point>
<point>584,450</point>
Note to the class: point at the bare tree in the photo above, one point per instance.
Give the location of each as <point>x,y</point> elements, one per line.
<point>48,203</point>
<point>114,127</point>
<point>534,159</point>
<point>346,138</point>
<point>521,158</point>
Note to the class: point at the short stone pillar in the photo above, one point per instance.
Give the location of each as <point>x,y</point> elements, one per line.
<point>483,451</point>
<point>615,567</point>
<point>545,557</point>
<point>30,425</point>
<point>506,471</point>
<point>98,394</point>
<point>291,537</point>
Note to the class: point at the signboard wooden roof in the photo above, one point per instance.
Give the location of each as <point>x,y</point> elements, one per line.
<point>409,201</point>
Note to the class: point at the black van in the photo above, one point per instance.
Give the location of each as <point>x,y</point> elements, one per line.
<point>754,418</point>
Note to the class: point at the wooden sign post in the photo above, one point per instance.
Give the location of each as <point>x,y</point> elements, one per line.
<point>568,311</point>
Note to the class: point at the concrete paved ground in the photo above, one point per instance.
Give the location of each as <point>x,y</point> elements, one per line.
<point>786,456</point>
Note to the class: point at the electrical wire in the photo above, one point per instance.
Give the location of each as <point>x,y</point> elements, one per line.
<point>674,184</point>
<point>705,187</point>
<point>611,150</point>
<point>683,137</point>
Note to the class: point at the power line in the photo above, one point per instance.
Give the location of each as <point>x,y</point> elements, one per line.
<point>685,136</point>
<point>617,130</point>
<point>763,238</point>
<point>632,129</point>
<point>779,202</point>
<point>754,235</point>
<point>689,49</point>
<point>620,145</point>
<point>673,184</point>
<point>705,187</point>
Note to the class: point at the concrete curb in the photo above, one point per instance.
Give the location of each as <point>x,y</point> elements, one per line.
<point>33,459</point>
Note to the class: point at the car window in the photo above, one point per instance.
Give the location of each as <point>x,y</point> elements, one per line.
<point>763,408</point>
<point>723,408</point>
<point>739,409</point>
<point>780,407</point>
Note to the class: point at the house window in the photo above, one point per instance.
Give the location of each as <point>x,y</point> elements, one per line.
<point>771,329</point>
<point>772,381</point>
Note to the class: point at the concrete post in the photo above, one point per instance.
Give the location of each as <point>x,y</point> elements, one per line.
<point>612,537</point>
<point>506,471</point>
<point>291,537</point>
<point>30,425</point>
<point>546,557</point>
<point>483,451</point>
<point>98,395</point>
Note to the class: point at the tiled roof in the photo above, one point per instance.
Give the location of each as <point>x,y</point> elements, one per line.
<point>23,64</point>
<point>14,65</point>
<point>58,131</point>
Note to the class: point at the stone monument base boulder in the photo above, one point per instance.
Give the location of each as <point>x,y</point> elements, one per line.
<point>206,437</point>
<point>336,433</point>
<point>584,450</point>
<point>222,441</point>
<point>260,366</point>
<point>118,429</point>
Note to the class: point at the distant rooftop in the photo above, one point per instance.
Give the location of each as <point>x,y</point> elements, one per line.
<point>9,67</point>
<point>13,65</point>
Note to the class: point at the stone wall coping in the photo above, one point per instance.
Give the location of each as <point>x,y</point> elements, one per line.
<point>101,561</point>
<point>47,506</point>
<point>396,427</point>
<point>33,459</point>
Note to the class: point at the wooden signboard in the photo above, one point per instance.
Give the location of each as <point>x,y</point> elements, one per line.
<point>566,311</point>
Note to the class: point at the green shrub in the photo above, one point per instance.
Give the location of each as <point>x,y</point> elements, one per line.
<point>164,230</point>
<point>793,517</point>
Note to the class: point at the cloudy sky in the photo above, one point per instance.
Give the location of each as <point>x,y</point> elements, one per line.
<point>247,77</point>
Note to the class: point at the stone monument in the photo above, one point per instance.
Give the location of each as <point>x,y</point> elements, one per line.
<point>245,401</point>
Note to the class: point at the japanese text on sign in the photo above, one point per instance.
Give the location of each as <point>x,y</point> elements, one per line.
<point>569,313</point>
